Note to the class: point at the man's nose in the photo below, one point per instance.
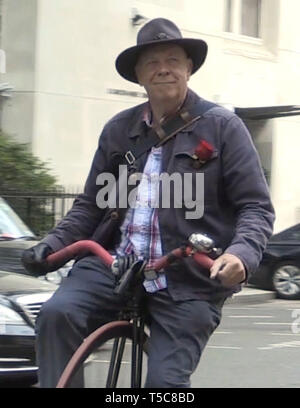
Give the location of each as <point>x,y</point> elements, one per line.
<point>163,69</point>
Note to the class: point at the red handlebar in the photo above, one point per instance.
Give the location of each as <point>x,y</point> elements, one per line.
<point>201,258</point>
<point>80,247</point>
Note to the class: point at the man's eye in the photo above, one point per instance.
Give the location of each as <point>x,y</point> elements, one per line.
<point>151,63</point>
<point>174,61</point>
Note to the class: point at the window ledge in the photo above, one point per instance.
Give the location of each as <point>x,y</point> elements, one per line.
<point>260,55</point>
<point>248,47</point>
<point>242,38</point>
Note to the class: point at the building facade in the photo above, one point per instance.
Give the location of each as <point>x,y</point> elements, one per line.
<point>60,55</point>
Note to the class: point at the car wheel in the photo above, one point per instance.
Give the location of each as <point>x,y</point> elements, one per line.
<point>286,280</point>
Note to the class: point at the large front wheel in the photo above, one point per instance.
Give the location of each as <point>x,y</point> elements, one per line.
<point>93,358</point>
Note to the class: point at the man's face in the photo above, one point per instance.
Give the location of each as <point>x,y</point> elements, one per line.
<point>164,71</point>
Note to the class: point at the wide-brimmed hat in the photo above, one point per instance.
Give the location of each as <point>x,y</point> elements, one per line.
<point>159,31</point>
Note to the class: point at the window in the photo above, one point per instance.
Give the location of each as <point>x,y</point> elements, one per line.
<point>243,17</point>
<point>228,16</point>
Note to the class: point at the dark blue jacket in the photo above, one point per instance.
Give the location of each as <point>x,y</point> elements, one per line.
<point>238,213</point>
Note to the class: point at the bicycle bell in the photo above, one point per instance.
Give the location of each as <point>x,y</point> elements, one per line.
<point>201,242</point>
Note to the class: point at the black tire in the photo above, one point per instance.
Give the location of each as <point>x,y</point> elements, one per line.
<point>100,343</point>
<point>286,280</point>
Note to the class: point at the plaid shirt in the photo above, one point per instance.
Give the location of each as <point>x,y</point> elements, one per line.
<point>140,229</point>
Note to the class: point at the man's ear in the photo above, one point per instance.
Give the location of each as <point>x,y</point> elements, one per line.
<point>136,70</point>
<point>190,67</point>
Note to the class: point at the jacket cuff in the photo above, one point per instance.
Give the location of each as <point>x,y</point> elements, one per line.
<point>54,243</point>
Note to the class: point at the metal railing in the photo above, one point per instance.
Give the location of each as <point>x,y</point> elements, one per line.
<point>40,211</point>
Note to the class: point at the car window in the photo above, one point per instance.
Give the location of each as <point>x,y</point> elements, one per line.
<point>294,235</point>
<point>11,225</point>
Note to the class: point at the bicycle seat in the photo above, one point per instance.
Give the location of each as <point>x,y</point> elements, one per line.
<point>132,277</point>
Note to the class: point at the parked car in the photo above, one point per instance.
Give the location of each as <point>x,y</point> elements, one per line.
<point>21,298</point>
<point>280,266</point>
<point>15,237</point>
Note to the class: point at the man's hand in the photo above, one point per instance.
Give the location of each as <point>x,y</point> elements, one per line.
<point>34,259</point>
<point>229,269</point>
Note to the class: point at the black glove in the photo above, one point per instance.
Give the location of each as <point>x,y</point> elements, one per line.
<point>34,259</point>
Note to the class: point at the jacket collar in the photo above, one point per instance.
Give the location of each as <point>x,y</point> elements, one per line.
<point>141,118</point>
<point>138,125</point>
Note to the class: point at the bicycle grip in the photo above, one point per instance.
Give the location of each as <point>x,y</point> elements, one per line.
<point>71,251</point>
<point>203,260</point>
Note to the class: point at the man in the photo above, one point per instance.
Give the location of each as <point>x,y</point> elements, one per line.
<point>185,305</point>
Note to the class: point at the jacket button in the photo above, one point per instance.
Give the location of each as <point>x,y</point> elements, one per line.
<point>114,215</point>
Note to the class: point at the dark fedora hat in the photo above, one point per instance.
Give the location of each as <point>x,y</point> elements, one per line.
<point>159,31</point>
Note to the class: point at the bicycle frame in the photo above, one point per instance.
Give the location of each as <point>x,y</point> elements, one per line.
<point>138,324</point>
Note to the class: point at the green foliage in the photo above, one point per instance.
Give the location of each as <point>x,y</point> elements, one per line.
<point>20,170</point>
<point>23,177</point>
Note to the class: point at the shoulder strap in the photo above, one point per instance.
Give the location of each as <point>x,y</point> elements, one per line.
<point>161,134</point>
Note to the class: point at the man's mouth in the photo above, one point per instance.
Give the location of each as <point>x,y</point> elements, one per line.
<point>164,83</point>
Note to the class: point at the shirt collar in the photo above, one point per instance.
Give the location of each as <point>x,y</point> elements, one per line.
<point>147,115</point>
<point>144,115</point>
